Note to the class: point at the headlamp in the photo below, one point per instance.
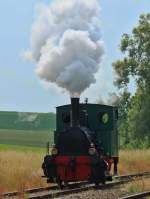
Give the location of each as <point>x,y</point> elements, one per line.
<point>92,151</point>
<point>54,151</point>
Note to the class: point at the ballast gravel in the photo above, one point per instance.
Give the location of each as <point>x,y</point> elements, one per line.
<point>98,194</point>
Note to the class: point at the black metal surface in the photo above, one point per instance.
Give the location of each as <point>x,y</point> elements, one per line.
<point>49,168</point>
<point>73,141</point>
<point>75,111</point>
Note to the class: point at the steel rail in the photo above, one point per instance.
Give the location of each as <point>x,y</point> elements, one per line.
<point>38,189</point>
<point>59,193</point>
<point>137,196</point>
<point>55,187</point>
<point>132,175</point>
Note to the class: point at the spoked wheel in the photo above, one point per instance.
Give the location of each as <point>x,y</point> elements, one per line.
<point>59,182</point>
<point>66,184</point>
<point>103,181</point>
<point>96,183</point>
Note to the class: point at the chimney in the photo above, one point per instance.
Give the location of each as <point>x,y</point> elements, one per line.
<point>75,111</point>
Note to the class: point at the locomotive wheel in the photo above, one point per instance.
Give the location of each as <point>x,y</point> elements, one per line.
<point>66,184</point>
<point>103,181</point>
<point>96,183</point>
<point>59,182</point>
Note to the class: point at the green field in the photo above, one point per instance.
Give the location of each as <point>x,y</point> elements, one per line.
<point>27,121</point>
<point>26,129</point>
<point>33,138</point>
<point>26,149</point>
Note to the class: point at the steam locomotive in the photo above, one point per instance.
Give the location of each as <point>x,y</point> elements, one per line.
<point>86,144</point>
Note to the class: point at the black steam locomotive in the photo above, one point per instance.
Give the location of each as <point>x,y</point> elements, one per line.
<point>86,144</point>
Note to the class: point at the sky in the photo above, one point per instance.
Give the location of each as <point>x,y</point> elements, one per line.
<point>20,88</point>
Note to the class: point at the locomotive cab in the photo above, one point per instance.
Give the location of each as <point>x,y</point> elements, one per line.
<point>86,143</point>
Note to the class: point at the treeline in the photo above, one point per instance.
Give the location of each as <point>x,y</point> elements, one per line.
<point>134,108</point>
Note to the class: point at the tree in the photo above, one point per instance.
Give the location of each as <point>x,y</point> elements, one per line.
<point>136,64</point>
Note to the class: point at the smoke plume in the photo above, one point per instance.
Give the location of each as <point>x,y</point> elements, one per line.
<point>66,43</point>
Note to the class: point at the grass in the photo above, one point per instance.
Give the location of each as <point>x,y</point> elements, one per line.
<point>134,161</point>
<point>17,148</point>
<point>20,167</point>
<point>26,120</point>
<point>37,138</point>
<point>20,170</point>
<point>138,185</point>
<point>21,156</point>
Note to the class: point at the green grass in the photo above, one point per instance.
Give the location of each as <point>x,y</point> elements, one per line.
<point>31,138</point>
<point>27,121</point>
<point>18,148</point>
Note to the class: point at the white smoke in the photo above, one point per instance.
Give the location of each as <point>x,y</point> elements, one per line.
<point>66,43</point>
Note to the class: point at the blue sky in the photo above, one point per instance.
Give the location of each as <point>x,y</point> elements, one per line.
<point>20,89</point>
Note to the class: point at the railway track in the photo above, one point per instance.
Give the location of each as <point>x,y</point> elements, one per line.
<point>137,196</point>
<point>53,191</point>
<point>76,190</point>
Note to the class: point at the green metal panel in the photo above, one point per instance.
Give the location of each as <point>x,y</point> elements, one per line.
<point>95,123</point>
<point>93,111</point>
<point>114,134</point>
<point>106,132</point>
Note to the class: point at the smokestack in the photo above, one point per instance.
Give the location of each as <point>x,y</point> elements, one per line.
<point>75,110</point>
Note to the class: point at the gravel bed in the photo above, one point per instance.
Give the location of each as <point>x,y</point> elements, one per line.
<point>98,194</point>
